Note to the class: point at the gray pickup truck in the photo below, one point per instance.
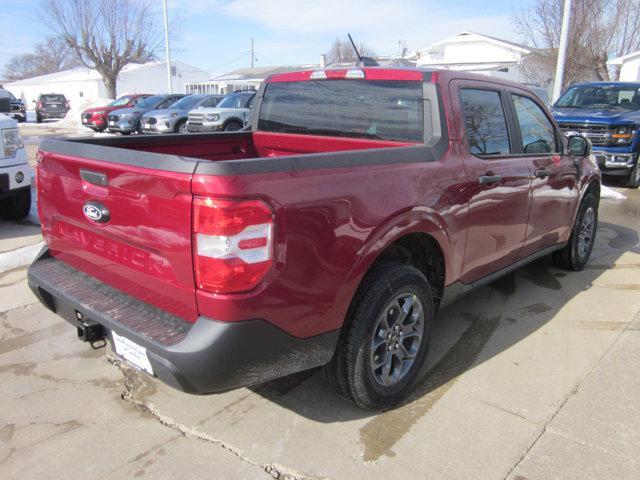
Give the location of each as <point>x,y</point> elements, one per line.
<point>231,114</point>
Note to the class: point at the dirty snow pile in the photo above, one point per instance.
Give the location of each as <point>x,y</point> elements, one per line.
<point>72,118</point>
<point>608,192</point>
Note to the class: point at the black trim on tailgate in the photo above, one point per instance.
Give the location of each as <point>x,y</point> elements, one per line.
<point>97,151</point>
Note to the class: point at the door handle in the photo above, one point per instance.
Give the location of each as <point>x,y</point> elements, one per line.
<point>542,173</point>
<point>489,179</point>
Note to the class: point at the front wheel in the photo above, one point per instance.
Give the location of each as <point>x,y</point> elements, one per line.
<point>575,255</point>
<point>232,127</point>
<point>16,206</point>
<point>181,127</point>
<point>385,339</point>
<point>633,181</point>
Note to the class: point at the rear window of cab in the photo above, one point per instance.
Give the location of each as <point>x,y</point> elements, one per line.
<point>374,109</point>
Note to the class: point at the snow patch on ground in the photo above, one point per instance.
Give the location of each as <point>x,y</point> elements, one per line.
<point>33,211</point>
<point>19,257</point>
<point>608,192</point>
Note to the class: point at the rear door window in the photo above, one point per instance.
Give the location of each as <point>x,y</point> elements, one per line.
<point>376,109</point>
<point>537,132</point>
<point>485,122</point>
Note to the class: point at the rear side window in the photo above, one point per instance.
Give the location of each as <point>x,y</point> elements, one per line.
<point>537,131</point>
<point>384,110</point>
<point>485,122</point>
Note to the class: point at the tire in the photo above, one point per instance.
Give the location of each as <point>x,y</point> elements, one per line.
<point>575,255</point>
<point>22,119</point>
<point>634,177</point>
<point>125,133</point>
<point>365,341</point>
<point>38,118</point>
<point>181,127</point>
<point>16,206</point>
<point>232,126</point>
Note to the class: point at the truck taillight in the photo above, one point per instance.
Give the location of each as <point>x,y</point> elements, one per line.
<point>232,242</point>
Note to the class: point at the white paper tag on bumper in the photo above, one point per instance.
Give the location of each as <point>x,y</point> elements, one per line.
<point>131,351</point>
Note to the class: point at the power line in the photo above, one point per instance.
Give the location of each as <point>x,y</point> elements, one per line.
<point>212,69</point>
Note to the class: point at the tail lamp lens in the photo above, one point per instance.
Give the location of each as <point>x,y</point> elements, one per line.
<point>233,243</point>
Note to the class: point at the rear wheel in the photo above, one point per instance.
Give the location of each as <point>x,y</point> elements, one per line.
<point>633,181</point>
<point>575,255</point>
<point>232,127</point>
<point>386,337</point>
<point>16,206</point>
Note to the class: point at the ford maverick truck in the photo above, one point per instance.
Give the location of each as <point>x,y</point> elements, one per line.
<point>608,114</point>
<point>360,201</point>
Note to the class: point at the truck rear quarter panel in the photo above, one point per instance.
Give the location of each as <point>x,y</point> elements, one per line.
<point>331,225</point>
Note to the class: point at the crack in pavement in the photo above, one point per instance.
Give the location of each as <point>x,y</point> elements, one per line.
<point>134,385</point>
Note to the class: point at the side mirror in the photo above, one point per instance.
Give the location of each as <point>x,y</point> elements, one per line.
<point>578,145</point>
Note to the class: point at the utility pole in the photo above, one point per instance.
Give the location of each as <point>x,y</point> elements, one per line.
<point>166,46</point>
<point>562,50</point>
<point>252,57</point>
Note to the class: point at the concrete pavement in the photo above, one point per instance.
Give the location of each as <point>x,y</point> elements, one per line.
<point>532,377</point>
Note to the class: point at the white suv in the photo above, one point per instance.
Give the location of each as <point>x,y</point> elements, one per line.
<point>15,173</point>
<point>231,114</point>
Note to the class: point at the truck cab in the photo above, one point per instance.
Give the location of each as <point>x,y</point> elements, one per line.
<point>608,114</point>
<point>15,173</point>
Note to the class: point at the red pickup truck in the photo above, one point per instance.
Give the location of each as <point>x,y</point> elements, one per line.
<point>360,202</point>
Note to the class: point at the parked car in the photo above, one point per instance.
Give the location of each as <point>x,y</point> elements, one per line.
<point>608,114</point>
<point>127,120</point>
<point>51,105</point>
<point>15,173</point>
<point>231,114</point>
<point>96,118</point>
<point>360,202</point>
<point>5,102</point>
<point>14,108</point>
<point>174,118</point>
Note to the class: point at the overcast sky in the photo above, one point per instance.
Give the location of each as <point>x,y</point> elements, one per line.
<point>215,34</point>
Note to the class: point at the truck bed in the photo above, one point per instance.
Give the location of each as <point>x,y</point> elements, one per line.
<point>224,146</point>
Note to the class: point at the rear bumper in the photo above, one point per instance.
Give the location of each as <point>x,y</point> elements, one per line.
<point>54,114</point>
<point>205,357</point>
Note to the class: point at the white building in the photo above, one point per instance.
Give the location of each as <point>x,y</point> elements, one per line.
<point>629,66</point>
<point>476,53</point>
<point>84,85</point>
<point>240,79</point>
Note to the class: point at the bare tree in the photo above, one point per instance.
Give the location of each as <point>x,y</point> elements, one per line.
<point>342,52</point>
<point>600,30</point>
<point>53,55</point>
<point>105,34</point>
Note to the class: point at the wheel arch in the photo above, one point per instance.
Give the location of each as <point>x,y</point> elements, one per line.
<point>414,238</point>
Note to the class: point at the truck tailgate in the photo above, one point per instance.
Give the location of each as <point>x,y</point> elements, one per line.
<point>127,225</point>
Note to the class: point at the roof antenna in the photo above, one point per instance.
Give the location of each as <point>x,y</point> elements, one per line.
<point>362,61</point>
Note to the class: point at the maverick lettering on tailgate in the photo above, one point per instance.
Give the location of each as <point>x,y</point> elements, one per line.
<point>124,254</point>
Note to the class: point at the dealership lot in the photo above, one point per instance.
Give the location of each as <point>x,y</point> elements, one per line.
<point>533,376</point>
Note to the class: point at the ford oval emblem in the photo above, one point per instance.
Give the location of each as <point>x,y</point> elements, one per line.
<point>96,212</point>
